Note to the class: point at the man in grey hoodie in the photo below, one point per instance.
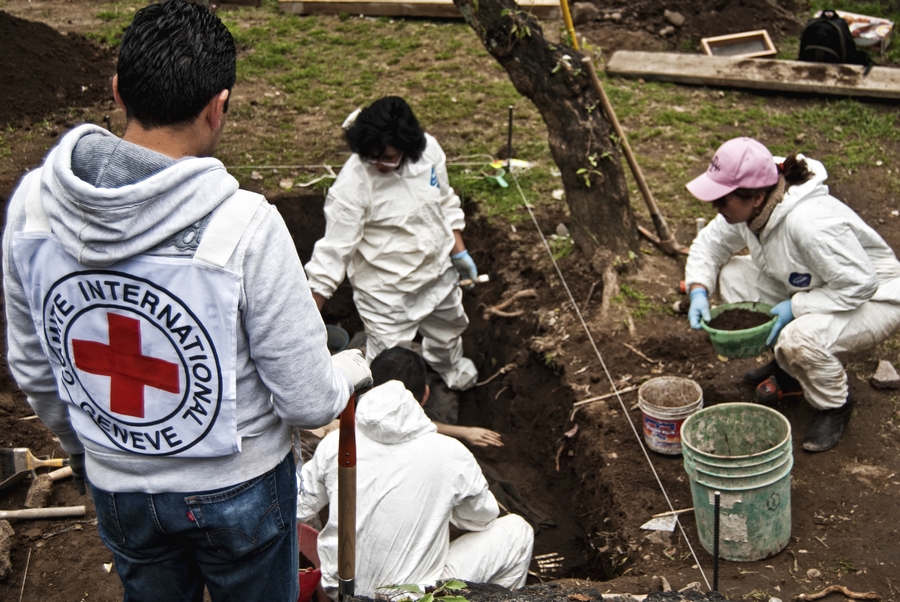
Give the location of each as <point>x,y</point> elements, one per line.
<point>160,323</point>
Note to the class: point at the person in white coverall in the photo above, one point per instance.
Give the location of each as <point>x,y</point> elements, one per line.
<point>394,224</point>
<point>160,324</point>
<point>833,281</point>
<point>412,484</point>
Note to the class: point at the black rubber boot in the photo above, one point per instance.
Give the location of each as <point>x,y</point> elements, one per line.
<point>827,428</point>
<point>757,375</point>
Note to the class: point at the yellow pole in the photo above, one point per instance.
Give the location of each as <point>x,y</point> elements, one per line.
<point>567,17</point>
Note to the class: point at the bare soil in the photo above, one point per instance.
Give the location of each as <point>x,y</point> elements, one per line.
<point>44,71</point>
<point>739,319</point>
<point>594,482</point>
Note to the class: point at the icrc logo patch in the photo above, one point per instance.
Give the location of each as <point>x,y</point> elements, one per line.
<point>135,359</point>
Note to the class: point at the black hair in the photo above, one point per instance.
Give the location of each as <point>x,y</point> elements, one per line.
<point>794,170</point>
<point>399,363</point>
<point>388,121</point>
<point>175,57</point>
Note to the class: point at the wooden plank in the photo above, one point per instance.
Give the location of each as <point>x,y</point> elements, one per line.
<point>542,9</point>
<point>757,74</point>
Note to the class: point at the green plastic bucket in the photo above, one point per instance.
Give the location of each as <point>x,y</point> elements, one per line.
<point>749,342</point>
<point>743,451</point>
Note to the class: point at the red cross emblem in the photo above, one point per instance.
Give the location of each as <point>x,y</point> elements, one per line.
<point>128,368</point>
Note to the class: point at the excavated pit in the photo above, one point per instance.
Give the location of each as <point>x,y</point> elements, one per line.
<point>538,472</point>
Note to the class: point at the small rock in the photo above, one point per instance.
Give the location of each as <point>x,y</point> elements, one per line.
<point>675,18</point>
<point>616,16</point>
<point>666,31</point>
<point>558,194</point>
<point>561,230</point>
<point>39,492</point>
<point>6,533</point>
<point>584,12</point>
<point>885,376</point>
<point>7,402</point>
<point>287,184</point>
<point>814,574</point>
<point>255,175</point>
<point>799,138</point>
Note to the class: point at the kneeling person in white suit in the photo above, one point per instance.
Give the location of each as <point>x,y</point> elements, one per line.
<point>412,483</point>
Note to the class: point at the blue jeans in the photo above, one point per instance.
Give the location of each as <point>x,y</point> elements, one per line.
<point>240,541</point>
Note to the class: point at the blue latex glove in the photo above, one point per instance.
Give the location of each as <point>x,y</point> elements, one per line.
<point>784,314</point>
<point>699,307</point>
<point>465,265</point>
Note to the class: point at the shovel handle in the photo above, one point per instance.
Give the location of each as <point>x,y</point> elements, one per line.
<point>60,474</point>
<point>347,500</point>
<point>58,512</point>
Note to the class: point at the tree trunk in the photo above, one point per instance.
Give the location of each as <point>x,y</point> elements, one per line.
<point>555,80</point>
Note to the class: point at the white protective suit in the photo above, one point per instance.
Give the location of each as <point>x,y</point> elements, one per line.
<point>392,234</point>
<point>411,484</point>
<point>843,281</point>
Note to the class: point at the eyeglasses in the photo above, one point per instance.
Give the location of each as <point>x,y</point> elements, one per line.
<point>390,162</point>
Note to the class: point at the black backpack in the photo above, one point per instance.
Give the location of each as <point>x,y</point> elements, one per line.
<point>827,39</point>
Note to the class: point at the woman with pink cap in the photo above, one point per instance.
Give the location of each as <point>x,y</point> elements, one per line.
<point>833,281</point>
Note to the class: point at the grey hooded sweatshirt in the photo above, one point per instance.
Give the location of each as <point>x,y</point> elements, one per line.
<point>107,201</point>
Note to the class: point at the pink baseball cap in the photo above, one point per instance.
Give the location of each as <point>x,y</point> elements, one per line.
<point>739,163</point>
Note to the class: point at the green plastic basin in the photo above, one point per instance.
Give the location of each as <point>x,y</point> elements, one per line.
<point>749,342</point>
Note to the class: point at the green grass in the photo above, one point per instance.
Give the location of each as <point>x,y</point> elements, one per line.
<point>674,130</point>
<point>114,18</point>
<point>299,76</point>
<point>323,67</point>
<point>639,304</point>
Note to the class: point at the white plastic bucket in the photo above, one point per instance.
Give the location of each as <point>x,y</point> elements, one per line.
<point>665,403</point>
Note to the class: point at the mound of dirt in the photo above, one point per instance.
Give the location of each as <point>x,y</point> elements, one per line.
<point>43,70</point>
<point>680,24</point>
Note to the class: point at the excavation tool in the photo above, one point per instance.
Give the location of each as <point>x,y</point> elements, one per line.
<point>347,501</point>
<point>666,240</point>
<point>16,463</point>
<point>38,513</point>
<point>480,278</point>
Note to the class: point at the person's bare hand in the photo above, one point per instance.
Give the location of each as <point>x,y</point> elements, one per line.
<point>480,437</point>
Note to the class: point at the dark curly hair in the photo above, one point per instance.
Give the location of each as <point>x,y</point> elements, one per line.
<point>405,365</point>
<point>174,58</point>
<point>388,121</point>
<point>794,170</point>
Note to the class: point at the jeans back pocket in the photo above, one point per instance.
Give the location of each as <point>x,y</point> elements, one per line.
<point>240,520</point>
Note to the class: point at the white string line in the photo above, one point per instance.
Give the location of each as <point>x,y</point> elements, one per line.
<point>609,377</point>
<point>326,166</point>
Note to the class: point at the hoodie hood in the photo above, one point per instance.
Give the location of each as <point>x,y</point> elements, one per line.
<point>101,226</point>
<point>390,414</point>
<point>815,187</point>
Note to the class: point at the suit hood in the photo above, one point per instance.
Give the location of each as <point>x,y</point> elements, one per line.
<point>99,225</point>
<point>390,414</point>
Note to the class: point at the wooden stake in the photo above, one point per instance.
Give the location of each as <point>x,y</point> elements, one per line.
<point>32,513</point>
